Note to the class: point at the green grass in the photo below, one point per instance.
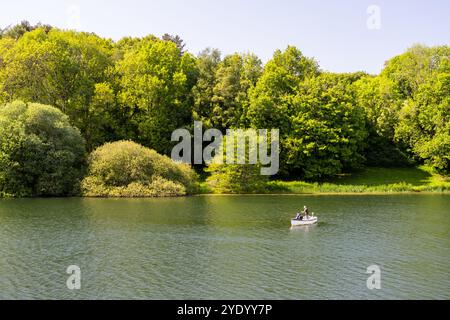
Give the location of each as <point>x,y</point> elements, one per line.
<point>385,176</point>
<point>369,180</point>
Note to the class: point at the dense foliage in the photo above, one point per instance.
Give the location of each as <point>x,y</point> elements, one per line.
<point>155,84</point>
<point>420,110</point>
<point>235,178</point>
<point>141,89</point>
<point>64,69</point>
<point>424,121</point>
<point>41,153</point>
<point>127,169</point>
<point>327,129</point>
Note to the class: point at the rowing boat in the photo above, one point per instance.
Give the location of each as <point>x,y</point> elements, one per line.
<point>304,222</point>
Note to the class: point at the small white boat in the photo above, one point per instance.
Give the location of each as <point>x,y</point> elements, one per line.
<point>304,222</point>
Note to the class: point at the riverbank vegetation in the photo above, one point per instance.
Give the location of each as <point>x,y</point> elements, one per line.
<point>367,180</point>
<point>333,127</point>
<point>127,169</point>
<point>235,178</point>
<point>370,180</point>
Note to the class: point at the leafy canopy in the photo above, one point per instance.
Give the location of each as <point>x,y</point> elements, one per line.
<point>41,153</point>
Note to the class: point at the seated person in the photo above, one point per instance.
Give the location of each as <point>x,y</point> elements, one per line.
<point>306,211</point>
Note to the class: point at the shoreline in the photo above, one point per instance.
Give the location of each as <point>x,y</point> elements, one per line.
<point>406,193</point>
<point>326,193</point>
<point>370,181</point>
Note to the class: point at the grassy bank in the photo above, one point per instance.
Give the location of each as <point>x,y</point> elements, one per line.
<point>369,180</point>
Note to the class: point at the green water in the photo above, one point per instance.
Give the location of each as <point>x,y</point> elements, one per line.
<point>226,247</point>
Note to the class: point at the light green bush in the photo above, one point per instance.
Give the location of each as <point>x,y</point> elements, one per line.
<point>229,179</point>
<point>127,169</point>
<point>235,178</point>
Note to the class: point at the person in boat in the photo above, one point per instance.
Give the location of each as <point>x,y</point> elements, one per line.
<point>299,216</point>
<point>306,211</point>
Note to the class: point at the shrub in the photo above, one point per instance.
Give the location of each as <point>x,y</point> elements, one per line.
<point>127,169</point>
<point>235,178</point>
<point>41,153</point>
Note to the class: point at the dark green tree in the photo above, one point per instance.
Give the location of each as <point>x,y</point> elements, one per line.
<point>327,128</point>
<point>203,92</point>
<point>20,29</point>
<point>41,153</point>
<point>381,103</point>
<point>177,40</point>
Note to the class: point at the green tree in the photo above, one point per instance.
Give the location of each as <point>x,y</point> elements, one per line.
<point>58,68</point>
<point>327,128</point>
<point>203,91</point>
<point>235,76</point>
<point>177,40</point>
<point>271,99</point>
<point>41,153</point>
<point>155,90</point>
<point>382,103</point>
<point>236,178</point>
<point>424,123</point>
<point>18,30</point>
<point>420,75</point>
<point>412,68</point>
<point>104,122</point>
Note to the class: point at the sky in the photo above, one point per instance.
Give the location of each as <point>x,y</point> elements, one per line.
<point>343,36</point>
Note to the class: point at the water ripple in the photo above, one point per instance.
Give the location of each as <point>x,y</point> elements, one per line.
<point>225,248</point>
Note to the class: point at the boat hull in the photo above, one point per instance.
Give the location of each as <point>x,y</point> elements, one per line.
<point>304,222</point>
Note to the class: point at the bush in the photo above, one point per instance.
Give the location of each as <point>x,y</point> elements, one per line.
<point>127,169</point>
<point>235,178</point>
<point>41,153</point>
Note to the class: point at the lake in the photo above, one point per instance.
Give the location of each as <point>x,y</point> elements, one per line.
<point>226,247</point>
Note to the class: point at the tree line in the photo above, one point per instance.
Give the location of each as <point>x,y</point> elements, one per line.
<point>142,89</point>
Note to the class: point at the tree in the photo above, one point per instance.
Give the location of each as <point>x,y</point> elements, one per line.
<point>127,169</point>
<point>271,99</point>
<point>203,92</point>
<point>58,68</point>
<point>235,178</point>
<point>412,68</point>
<point>104,122</point>
<point>17,31</point>
<point>177,40</point>
<point>424,123</point>
<point>421,77</point>
<point>155,90</point>
<point>382,103</point>
<point>41,153</point>
<point>236,75</point>
<point>327,128</point>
